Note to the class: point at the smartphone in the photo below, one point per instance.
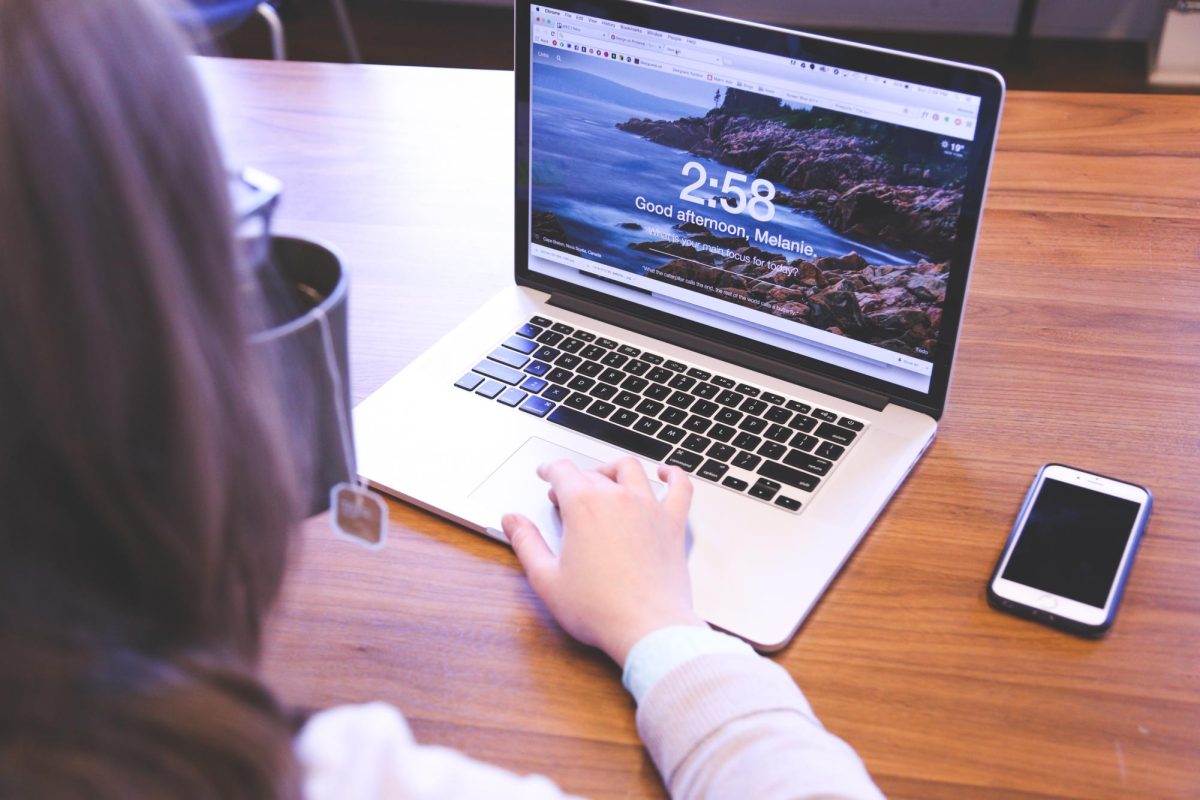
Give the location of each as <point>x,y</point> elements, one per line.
<point>1069,553</point>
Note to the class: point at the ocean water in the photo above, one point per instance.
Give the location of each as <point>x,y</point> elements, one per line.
<point>589,173</point>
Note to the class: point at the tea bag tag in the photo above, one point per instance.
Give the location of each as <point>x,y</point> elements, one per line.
<point>358,515</point>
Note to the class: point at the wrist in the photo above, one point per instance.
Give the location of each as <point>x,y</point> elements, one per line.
<point>618,649</point>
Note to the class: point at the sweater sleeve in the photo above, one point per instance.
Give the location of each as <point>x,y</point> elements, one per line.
<point>736,725</point>
<point>367,752</point>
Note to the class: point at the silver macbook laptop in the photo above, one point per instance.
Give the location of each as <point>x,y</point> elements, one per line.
<point>739,249</point>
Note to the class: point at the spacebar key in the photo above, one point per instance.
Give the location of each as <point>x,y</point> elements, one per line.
<point>608,432</point>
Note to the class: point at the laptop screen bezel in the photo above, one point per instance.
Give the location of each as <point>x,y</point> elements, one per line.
<point>984,83</point>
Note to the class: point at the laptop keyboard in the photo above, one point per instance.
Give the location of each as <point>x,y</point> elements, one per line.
<point>763,445</point>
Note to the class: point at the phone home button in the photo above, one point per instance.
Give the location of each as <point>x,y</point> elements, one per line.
<point>1047,602</point>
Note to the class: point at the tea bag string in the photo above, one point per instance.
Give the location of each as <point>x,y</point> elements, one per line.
<point>339,403</point>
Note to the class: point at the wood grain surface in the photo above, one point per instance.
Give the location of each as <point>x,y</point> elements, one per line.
<point>1081,345</point>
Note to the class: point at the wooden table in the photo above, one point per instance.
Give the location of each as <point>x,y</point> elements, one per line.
<point>1081,345</point>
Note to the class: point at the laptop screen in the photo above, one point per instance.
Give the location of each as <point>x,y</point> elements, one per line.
<point>788,195</point>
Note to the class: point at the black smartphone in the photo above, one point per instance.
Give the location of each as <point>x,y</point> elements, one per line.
<point>1070,551</point>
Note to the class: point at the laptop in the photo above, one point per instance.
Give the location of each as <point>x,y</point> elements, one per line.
<point>739,249</point>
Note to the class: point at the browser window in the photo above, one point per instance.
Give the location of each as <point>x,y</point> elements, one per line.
<point>799,204</point>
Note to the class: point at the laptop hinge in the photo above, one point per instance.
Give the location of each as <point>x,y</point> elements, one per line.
<point>722,351</point>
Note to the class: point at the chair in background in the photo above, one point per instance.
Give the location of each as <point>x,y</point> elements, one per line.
<point>223,16</point>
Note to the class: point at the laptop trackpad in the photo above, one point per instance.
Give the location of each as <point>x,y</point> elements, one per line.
<point>515,486</point>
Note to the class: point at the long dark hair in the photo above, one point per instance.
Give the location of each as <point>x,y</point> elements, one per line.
<point>144,500</point>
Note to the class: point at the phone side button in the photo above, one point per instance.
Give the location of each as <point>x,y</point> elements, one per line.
<point>1047,602</point>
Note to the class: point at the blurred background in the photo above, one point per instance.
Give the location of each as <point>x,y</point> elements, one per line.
<point>1069,45</point>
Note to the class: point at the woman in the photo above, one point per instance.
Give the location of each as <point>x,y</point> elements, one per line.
<point>147,500</point>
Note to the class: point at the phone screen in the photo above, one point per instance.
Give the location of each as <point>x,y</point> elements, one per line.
<point>1072,542</point>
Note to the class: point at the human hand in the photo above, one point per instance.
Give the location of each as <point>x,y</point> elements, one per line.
<point>622,570</point>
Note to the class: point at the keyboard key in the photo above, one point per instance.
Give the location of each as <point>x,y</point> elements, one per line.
<point>559,375</point>
<point>541,322</point>
<point>585,336</point>
<point>836,433</point>
<point>607,344</point>
<point>636,367</point>
<point>613,376</point>
<point>728,416</point>
<point>746,389</point>
<point>681,382</point>
<point>723,382</point>
<point>499,372</point>
<point>792,477</point>
<point>747,441</point>
<point>673,416</point>
<point>685,460</point>
<point>731,399</point>
<point>508,357</point>
<point>520,344</point>
<point>674,365</point>
<point>612,434</point>
<point>490,389</point>
<point>652,358</point>
<point>571,345</point>
<point>511,396</point>
<point>634,384</point>
<point>721,452</point>
<point>737,484</point>
<point>680,400</point>
<point>603,391</point>
<point>537,367</point>
<point>556,393</point>
<point>752,406</point>
<point>614,359</point>
<point>546,353</point>
<point>469,381</point>
<point>601,409</point>
<point>722,433</point>
<point>534,385</point>
<point>537,406</point>
<point>590,369</point>
<point>753,424</point>
<point>803,441</point>
<point>660,375</point>
<point>778,433</point>
<point>699,374</point>
<point>786,502</point>
<point>764,490</point>
<point>579,401</point>
<point>777,414</point>
<point>562,327</point>
<point>651,407</point>
<point>672,434</point>
<point>798,407</point>
<point>705,408</point>
<point>568,361</point>
<point>626,399</point>
<point>803,423</point>
<point>549,337</point>
<point>624,417</point>
<point>810,463</point>
<point>696,443</point>
<point>648,426</point>
<point>629,350</point>
<point>528,330</point>
<point>772,450</point>
<point>580,383</point>
<point>697,424</point>
<point>821,413</point>
<point>713,470</point>
<point>771,397</point>
<point>706,390</point>
<point>747,461</point>
<point>830,450</point>
<point>657,392</point>
<point>852,424</point>
<point>592,352</point>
